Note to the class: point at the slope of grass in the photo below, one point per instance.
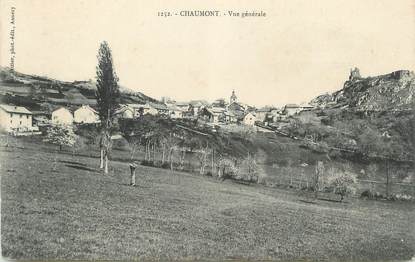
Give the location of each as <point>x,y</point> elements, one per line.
<point>76,212</point>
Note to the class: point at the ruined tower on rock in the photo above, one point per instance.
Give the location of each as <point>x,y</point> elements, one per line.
<point>354,74</point>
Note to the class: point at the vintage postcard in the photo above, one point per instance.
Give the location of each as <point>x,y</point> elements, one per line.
<point>207,130</point>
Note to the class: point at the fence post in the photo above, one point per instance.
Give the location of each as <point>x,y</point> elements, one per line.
<point>213,161</point>
<point>387,178</point>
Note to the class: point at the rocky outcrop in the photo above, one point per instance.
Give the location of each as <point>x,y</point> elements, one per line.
<point>394,91</point>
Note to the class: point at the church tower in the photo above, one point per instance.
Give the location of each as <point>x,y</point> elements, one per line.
<point>233,97</point>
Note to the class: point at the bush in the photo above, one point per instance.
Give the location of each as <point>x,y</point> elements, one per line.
<point>320,147</point>
<point>262,178</point>
<point>148,163</point>
<point>248,170</point>
<point>282,162</point>
<point>342,183</point>
<point>367,194</point>
<point>80,143</point>
<point>121,144</point>
<point>401,197</point>
<point>226,168</point>
<point>165,165</point>
<point>370,194</point>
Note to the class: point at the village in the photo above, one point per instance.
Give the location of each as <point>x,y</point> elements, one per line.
<point>20,121</point>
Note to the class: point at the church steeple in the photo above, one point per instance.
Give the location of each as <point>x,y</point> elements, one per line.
<point>233,97</point>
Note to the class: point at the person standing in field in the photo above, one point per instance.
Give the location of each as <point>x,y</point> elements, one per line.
<point>133,167</point>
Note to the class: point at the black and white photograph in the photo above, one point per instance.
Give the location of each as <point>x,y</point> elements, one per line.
<point>235,130</point>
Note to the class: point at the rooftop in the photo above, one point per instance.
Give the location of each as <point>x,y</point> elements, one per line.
<point>292,106</point>
<point>158,106</point>
<point>15,109</point>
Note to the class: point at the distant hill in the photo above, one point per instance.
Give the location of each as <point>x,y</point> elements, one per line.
<point>373,116</point>
<point>39,93</point>
<point>391,92</point>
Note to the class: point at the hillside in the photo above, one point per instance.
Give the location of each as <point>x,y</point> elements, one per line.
<point>77,213</point>
<point>390,92</point>
<point>338,121</point>
<point>370,122</point>
<point>39,93</point>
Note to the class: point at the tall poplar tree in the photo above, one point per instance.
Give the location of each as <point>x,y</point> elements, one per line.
<point>107,95</point>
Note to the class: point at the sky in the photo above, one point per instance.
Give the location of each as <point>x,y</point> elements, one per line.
<point>299,50</point>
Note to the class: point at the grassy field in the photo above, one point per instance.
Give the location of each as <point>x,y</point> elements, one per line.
<point>75,212</point>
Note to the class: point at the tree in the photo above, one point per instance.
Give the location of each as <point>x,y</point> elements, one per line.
<point>153,132</point>
<point>383,148</point>
<point>226,168</point>
<point>171,144</point>
<point>191,111</point>
<point>371,174</point>
<point>290,171</point>
<point>249,169</point>
<point>371,143</point>
<point>318,178</point>
<point>203,153</point>
<point>247,132</point>
<point>342,183</point>
<point>61,135</point>
<point>107,95</point>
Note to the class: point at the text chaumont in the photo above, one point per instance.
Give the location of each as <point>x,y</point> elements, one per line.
<point>199,13</point>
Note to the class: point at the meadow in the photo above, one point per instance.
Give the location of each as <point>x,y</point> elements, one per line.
<point>59,205</point>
